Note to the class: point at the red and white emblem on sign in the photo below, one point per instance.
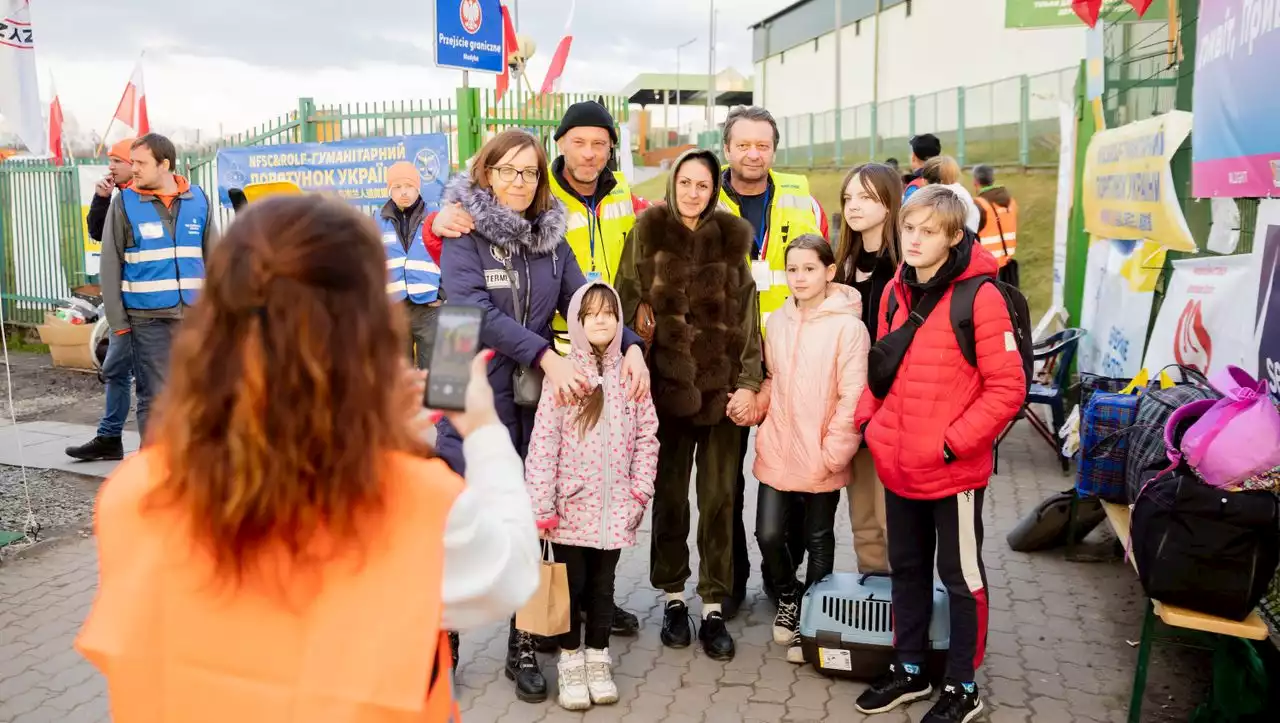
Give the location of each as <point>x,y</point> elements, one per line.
<point>471,15</point>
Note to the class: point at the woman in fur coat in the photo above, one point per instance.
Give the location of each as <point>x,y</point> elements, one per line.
<point>687,261</point>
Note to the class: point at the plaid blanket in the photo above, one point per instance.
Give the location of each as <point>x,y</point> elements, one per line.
<point>1104,445</point>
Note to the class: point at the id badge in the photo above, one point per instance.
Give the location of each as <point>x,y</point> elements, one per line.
<point>593,276</point>
<point>151,230</point>
<point>762,275</point>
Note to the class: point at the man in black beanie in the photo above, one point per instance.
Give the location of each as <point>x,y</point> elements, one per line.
<point>601,211</point>
<point>923,147</point>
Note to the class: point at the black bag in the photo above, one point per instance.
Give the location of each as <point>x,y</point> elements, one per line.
<point>1008,273</point>
<point>1147,453</point>
<point>1046,526</point>
<point>1204,549</point>
<point>526,383</point>
<point>888,351</point>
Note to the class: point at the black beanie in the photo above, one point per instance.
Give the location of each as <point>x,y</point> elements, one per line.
<point>587,114</point>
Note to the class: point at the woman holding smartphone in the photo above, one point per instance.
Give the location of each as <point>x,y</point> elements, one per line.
<point>516,265</point>
<point>282,546</point>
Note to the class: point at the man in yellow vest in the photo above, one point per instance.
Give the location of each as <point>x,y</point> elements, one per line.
<point>601,211</point>
<point>997,216</point>
<point>779,208</point>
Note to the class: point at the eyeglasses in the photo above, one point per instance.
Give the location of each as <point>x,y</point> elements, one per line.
<point>507,174</point>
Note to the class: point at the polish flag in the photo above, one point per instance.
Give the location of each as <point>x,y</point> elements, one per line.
<point>552,83</point>
<point>1087,10</point>
<point>1140,6</point>
<point>509,45</point>
<point>55,130</point>
<point>132,110</point>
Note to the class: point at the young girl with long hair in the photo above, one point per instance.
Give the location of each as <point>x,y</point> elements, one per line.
<point>816,350</point>
<point>870,253</point>
<point>590,473</point>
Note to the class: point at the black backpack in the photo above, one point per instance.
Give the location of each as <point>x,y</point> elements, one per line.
<point>963,294</point>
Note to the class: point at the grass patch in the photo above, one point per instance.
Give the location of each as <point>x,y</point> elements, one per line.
<point>1036,193</point>
<point>26,341</point>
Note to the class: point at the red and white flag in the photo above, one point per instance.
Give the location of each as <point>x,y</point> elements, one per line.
<point>552,83</point>
<point>20,102</point>
<point>55,130</point>
<point>132,110</point>
<point>510,44</point>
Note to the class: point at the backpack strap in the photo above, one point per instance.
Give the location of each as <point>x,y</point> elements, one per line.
<point>963,295</point>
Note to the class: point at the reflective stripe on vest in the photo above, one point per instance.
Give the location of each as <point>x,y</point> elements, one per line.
<point>411,274</point>
<point>162,269</point>
<point>999,235</point>
<point>612,220</point>
<point>791,215</point>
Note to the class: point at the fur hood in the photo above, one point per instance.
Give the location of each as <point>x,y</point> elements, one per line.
<point>713,202</point>
<point>503,227</point>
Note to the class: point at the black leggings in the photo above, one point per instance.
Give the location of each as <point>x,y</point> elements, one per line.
<point>772,507</point>
<point>591,576</point>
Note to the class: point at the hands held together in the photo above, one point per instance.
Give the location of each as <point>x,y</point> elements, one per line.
<point>744,408</point>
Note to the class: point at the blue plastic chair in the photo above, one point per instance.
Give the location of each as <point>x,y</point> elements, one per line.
<point>1050,388</point>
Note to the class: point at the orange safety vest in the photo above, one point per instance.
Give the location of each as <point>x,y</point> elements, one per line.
<point>357,640</point>
<point>1000,233</point>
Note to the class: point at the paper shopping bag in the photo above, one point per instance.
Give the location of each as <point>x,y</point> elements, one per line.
<point>547,612</point>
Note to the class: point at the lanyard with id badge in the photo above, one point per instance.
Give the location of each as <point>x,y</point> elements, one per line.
<point>592,221</point>
<point>761,273</point>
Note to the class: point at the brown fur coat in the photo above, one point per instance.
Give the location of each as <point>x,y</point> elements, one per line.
<point>707,337</point>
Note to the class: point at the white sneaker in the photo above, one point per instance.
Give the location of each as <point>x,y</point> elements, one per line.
<point>600,677</point>
<point>795,649</point>
<point>574,693</point>
<point>787,621</point>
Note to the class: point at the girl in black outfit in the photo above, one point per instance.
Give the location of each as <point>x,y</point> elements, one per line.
<point>868,256</point>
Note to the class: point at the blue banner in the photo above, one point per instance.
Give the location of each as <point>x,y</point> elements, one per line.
<point>355,170</point>
<point>469,35</point>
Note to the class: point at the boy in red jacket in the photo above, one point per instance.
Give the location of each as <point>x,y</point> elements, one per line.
<point>930,420</point>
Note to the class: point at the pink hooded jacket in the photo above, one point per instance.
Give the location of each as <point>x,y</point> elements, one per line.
<point>592,491</point>
<point>817,364</point>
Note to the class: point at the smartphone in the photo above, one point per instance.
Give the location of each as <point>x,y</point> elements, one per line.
<point>457,342</point>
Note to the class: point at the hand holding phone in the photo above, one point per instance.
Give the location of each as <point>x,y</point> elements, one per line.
<point>456,343</point>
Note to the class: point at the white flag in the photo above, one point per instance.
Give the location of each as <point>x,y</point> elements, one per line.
<point>19,92</point>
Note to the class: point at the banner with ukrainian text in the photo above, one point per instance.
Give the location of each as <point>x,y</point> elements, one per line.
<point>1235,148</point>
<point>354,170</point>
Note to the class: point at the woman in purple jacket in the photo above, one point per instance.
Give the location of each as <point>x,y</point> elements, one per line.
<point>517,266</point>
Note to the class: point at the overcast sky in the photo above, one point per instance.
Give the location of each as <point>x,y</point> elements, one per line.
<point>240,62</point>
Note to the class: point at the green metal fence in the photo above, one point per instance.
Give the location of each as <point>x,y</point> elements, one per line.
<point>1013,121</point>
<point>42,237</point>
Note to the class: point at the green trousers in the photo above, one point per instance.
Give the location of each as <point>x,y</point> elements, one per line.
<point>718,451</point>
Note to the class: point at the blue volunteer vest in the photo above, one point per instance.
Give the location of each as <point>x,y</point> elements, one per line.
<point>412,275</point>
<point>162,270</point>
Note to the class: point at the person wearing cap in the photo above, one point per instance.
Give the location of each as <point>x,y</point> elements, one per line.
<point>413,277</point>
<point>117,368</point>
<point>601,211</point>
<point>924,147</point>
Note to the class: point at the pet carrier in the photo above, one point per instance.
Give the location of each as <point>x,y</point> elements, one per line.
<point>846,626</point>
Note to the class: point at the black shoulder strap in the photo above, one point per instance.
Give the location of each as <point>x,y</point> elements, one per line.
<point>923,308</point>
<point>963,294</point>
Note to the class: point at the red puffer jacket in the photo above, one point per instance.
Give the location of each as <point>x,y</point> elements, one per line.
<point>938,398</point>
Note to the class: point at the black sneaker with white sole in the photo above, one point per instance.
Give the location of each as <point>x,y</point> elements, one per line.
<point>787,621</point>
<point>955,705</point>
<point>893,689</point>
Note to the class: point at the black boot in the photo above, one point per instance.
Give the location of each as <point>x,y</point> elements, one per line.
<point>99,448</point>
<point>454,642</point>
<point>676,632</point>
<point>624,623</point>
<point>522,667</point>
<point>716,641</point>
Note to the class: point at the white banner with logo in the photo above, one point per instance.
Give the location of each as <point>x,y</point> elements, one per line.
<point>19,92</point>
<point>1116,309</point>
<point>1207,318</point>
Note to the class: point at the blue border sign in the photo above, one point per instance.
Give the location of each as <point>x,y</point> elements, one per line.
<point>469,35</point>
<point>354,170</point>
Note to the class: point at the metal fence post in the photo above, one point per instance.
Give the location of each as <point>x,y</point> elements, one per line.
<point>838,131</point>
<point>960,153</point>
<point>306,107</point>
<point>911,115</point>
<point>811,128</point>
<point>1024,122</point>
<point>469,136</point>
<point>875,130</point>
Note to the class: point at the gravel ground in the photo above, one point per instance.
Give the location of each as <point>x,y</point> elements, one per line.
<point>62,502</point>
<point>42,391</point>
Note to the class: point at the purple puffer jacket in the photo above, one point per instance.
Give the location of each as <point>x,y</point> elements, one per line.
<point>592,490</point>
<point>472,272</point>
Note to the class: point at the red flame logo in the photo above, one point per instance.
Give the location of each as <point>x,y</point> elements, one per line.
<point>1191,344</point>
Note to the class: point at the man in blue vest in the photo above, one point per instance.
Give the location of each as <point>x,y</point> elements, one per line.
<point>412,275</point>
<point>157,235</point>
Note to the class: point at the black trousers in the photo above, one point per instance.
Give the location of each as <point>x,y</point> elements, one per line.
<point>774,511</point>
<point>591,575</point>
<point>953,527</point>
<point>741,558</point>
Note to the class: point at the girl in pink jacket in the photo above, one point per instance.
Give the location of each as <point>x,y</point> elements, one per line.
<point>816,350</point>
<point>590,472</point>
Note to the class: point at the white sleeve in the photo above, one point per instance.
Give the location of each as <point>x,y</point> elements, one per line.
<point>491,553</point>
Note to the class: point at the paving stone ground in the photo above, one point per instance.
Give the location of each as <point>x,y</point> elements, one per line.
<point>1058,650</point>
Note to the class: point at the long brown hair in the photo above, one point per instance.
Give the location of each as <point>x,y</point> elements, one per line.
<point>598,299</point>
<point>284,388</point>
<point>885,184</point>
<point>499,146</point>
